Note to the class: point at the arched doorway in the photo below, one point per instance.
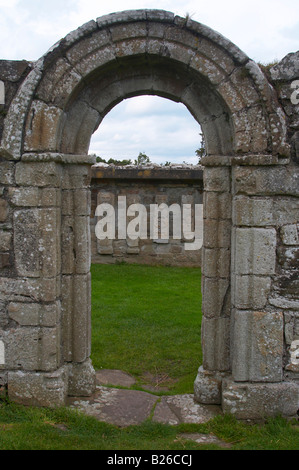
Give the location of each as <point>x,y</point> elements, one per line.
<point>47,134</point>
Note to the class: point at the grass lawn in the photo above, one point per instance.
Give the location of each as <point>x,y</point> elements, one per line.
<point>146,321</point>
<point>26,428</point>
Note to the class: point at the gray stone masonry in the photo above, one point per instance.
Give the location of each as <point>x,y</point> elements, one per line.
<point>151,184</point>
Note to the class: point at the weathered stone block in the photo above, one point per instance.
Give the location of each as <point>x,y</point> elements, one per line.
<point>32,348</point>
<point>82,379</point>
<point>105,247</point>
<point>82,244</point>
<point>14,121</point>
<point>7,170</point>
<point>5,240</point>
<point>250,125</point>
<point>206,67</point>
<point>86,29</point>
<point>207,387</point>
<point>132,247</point>
<point>216,343</point>
<point>82,202</point>
<point>82,318</point>
<point>26,242</point>
<point>255,251</point>
<point>284,303</point>
<point>217,179</point>
<point>288,256</point>
<point>217,205</point>
<point>216,233</point>
<point>177,52</point>
<point>258,401</point>
<point>34,314</point>
<point>216,262</point>
<point>291,327</point>
<point>76,177</point>
<point>42,127</point>
<point>3,210</point>
<point>286,69</point>
<point>58,84</point>
<point>293,364</point>
<point>35,197</point>
<point>268,181</point>
<point>5,260</point>
<point>251,292</point>
<point>36,246</point>
<point>252,211</point>
<point>3,314</point>
<point>76,317</point>
<point>290,234</point>
<point>234,101</point>
<point>66,316</point>
<point>285,210</point>
<point>258,346</point>
<point>38,174</point>
<point>20,290</point>
<point>214,294</point>
<point>37,388</point>
<point>82,49</point>
<point>126,31</point>
<point>75,242</point>
<point>122,17</point>
<point>97,57</point>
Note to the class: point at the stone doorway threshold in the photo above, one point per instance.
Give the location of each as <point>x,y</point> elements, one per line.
<point>123,407</point>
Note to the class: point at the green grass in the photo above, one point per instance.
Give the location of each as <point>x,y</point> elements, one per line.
<point>146,321</point>
<point>26,428</point>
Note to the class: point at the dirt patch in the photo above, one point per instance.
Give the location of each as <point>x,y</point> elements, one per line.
<point>157,382</point>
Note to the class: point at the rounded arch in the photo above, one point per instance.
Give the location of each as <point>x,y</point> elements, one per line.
<point>84,75</point>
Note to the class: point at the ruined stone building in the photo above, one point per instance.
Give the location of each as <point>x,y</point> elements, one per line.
<point>250,119</point>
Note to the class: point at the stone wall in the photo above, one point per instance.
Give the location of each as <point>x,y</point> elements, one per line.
<point>145,185</point>
<point>285,293</point>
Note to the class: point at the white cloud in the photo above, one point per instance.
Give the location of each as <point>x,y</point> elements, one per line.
<point>164,131</point>
<point>257,27</point>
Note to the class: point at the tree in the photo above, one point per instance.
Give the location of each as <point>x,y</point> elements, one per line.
<point>201,151</point>
<point>114,161</point>
<point>142,159</point>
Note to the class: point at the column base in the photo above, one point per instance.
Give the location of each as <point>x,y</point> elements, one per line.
<point>81,379</point>
<point>257,401</point>
<point>207,386</point>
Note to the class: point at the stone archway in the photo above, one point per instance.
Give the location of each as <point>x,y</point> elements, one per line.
<point>46,138</point>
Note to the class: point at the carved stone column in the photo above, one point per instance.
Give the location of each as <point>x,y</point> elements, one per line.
<point>216,291</point>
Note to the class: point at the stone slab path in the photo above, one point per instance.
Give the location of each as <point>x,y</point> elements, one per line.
<point>124,407</point>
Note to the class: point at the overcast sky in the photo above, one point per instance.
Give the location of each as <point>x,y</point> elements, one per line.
<point>266,30</point>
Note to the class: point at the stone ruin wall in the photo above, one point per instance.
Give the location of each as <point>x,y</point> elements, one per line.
<point>284,77</point>
<point>250,253</point>
<point>176,184</point>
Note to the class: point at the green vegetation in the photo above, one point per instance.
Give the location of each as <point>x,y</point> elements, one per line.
<point>26,428</point>
<point>146,321</point>
<point>114,161</point>
<point>201,151</point>
<point>142,159</point>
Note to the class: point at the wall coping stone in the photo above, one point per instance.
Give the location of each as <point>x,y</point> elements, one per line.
<point>146,172</point>
<point>59,158</point>
<point>244,160</point>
